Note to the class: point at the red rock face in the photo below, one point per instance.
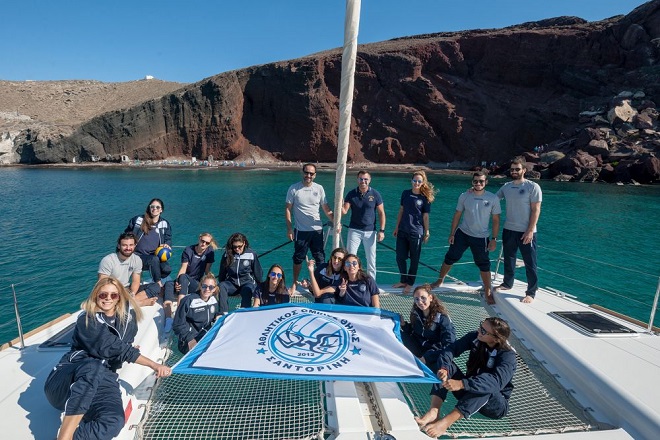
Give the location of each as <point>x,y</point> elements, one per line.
<point>470,96</point>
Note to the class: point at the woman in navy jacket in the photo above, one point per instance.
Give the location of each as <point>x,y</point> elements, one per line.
<point>240,271</point>
<point>486,385</point>
<point>196,314</point>
<point>430,328</point>
<point>84,383</point>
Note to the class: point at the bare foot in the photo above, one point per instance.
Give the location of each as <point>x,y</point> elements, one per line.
<point>437,283</point>
<point>490,298</point>
<point>503,287</point>
<point>407,289</point>
<point>399,285</point>
<point>527,300</point>
<point>430,416</point>
<point>147,301</point>
<point>436,429</point>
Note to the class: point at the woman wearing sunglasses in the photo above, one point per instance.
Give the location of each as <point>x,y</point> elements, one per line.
<point>430,328</point>
<point>412,228</point>
<point>486,385</point>
<point>357,288</point>
<point>84,384</point>
<point>273,290</point>
<point>196,314</point>
<point>324,281</point>
<point>240,271</point>
<point>196,261</point>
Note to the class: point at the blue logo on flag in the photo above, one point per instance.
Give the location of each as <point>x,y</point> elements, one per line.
<point>309,339</point>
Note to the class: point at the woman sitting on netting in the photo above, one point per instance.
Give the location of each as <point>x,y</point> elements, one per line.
<point>485,387</point>
<point>323,281</point>
<point>273,290</point>
<point>430,329</point>
<point>357,288</point>
<point>196,314</point>
<point>240,271</point>
<point>84,383</point>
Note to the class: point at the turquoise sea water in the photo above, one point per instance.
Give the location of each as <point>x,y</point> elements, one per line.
<point>57,224</point>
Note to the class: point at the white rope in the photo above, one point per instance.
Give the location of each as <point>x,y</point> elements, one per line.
<point>594,287</point>
<point>600,262</point>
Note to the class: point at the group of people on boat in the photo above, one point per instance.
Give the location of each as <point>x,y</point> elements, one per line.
<point>84,378</point>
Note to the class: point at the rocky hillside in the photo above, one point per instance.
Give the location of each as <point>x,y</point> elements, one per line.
<point>467,97</point>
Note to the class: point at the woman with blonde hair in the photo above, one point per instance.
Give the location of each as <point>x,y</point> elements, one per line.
<point>196,261</point>
<point>84,384</point>
<point>412,227</point>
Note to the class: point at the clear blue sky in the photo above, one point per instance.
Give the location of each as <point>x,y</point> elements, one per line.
<point>188,40</point>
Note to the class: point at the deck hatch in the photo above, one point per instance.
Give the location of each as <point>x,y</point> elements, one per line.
<point>593,324</point>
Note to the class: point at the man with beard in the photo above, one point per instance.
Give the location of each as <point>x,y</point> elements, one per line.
<point>126,267</point>
<point>523,208</point>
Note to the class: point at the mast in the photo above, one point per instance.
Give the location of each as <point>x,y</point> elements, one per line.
<point>349,55</point>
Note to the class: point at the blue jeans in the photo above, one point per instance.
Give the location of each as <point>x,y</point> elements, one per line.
<point>511,243</point>
<point>408,246</point>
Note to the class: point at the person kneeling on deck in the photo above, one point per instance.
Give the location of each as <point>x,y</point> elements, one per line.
<point>240,272</point>
<point>476,207</point>
<point>84,384</point>
<point>196,314</point>
<point>485,387</point>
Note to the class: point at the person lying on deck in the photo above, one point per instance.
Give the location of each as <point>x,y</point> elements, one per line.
<point>485,387</point>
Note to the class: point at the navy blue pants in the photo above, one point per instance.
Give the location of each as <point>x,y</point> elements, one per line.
<point>228,288</point>
<point>159,269</point>
<point>188,284</point>
<point>408,246</point>
<point>87,387</point>
<point>493,406</point>
<point>511,243</point>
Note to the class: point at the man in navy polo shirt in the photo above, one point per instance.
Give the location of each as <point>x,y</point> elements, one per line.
<point>364,202</point>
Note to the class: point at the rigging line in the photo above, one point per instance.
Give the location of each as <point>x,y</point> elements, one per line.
<point>601,262</point>
<point>595,287</point>
<point>275,248</point>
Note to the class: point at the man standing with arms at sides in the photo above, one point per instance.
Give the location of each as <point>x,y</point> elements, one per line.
<point>523,208</point>
<point>303,200</point>
<point>364,202</point>
<point>476,207</point>
<point>126,267</point>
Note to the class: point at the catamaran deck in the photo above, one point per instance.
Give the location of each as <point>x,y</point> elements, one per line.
<point>609,379</point>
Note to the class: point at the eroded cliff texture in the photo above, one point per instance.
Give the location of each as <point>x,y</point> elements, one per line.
<point>470,96</point>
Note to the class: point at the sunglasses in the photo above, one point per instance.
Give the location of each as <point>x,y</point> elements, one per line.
<point>336,258</point>
<point>104,295</point>
<point>351,263</point>
<point>475,181</point>
<point>276,275</point>
<point>515,169</point>
<point>307,173</point>
<point>483,331</point>
<point>204,242</point>
<point>363,179</point>
<point>155,207</point>
<point>208,287</point>
<point>237,246</point>
<point>417,181</point>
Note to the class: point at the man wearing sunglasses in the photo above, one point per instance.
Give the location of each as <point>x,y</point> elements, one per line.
<point>523,208</point>
<point>303,202</point>
<point>475,207</point>
<point>364,202</point>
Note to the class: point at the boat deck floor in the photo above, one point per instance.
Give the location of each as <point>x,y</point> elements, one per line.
<point>224,407</point>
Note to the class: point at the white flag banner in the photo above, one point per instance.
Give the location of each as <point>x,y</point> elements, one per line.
<point>307,342</point>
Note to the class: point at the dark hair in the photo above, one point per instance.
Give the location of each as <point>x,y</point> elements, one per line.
<point>125,236</point>
<point>436,307</point>
<point>308,165</point>
<point>480,174</point>
<point>147,221</point>
<point>281,284</point>
<point>363,172</point>
<point>329,269</point>
<point>520,160</point>
<point>501,331</point>
<point>361,274</point>
<point>229,250</point>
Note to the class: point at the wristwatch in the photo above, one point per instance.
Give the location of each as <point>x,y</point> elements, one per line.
<point>382,230</point>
